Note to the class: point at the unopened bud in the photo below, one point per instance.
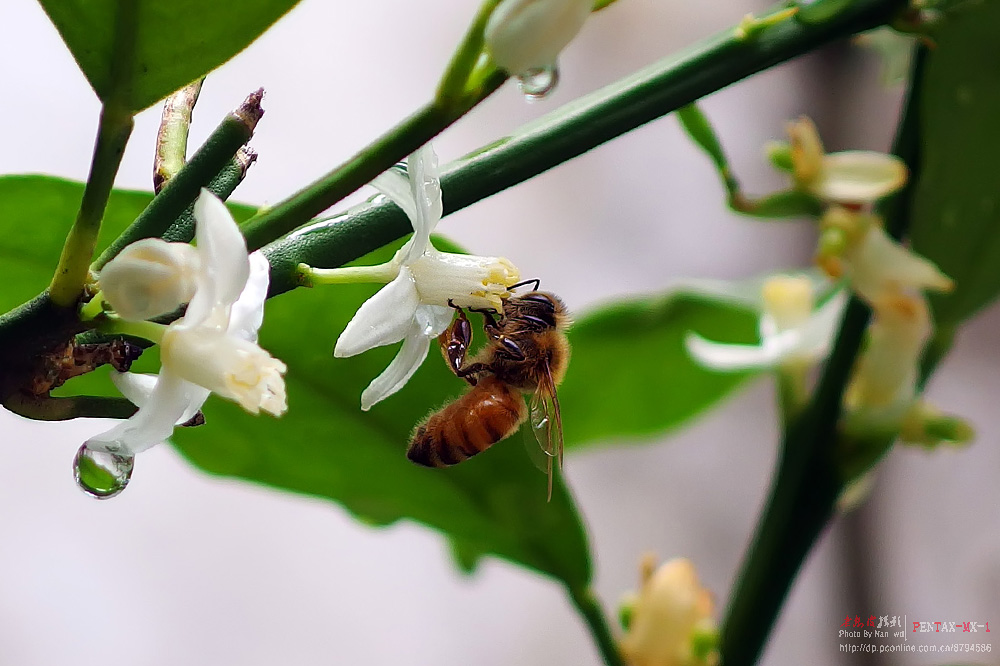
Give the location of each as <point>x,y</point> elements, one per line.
<point>671,624</point>
<point>149,278</point>
<point>526,35</point>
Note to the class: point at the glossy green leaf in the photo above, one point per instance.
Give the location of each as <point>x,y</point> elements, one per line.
<point>36,212</point>
<point>326,446</point>
<point>630,375</point>
<point>175,42</point>
<point>956,205</point>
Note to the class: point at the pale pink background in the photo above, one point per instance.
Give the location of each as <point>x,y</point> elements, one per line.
<point>187,569</point>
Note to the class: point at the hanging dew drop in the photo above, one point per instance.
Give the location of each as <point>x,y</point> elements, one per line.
<point>538,83</point>
<point>100,474</point>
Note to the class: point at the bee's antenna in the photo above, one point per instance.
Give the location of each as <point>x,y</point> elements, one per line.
<point>524,282</point>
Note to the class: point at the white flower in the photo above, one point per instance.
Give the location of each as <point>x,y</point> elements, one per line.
<point>850,177</point>
<point>527,35</point>
<point>670,614</point>
<point>792,333</point>
<point>413,307</point>
<point>877,266</point>
<point>212,348</point>
<point>149,278</point>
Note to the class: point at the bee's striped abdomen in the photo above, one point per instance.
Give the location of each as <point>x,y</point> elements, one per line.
<point>489,412</point>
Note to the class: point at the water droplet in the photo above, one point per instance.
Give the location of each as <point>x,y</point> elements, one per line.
<point>100,474</point>
<point>538,83</point>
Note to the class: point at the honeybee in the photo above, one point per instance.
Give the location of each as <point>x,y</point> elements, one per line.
<point>526,352</point>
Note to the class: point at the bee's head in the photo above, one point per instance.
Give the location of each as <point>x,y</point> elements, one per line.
<point>540,309</point>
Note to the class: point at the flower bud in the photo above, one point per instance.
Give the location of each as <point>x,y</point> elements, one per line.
<point>526,35</point>
<point>671,622</point>
<point>149,278</point>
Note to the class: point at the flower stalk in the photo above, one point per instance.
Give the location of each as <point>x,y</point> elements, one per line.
<point>71,273</point>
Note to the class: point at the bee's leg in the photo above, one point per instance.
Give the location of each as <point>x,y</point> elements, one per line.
<point>455,343</point>
<point>490,324</point>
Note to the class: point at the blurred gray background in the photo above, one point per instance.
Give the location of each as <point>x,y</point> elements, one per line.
<point>184,568</point>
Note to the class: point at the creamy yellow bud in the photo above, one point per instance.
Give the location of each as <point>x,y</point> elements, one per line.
<point>670,618</point>
<point>526,35</point>
<point>149,278</point>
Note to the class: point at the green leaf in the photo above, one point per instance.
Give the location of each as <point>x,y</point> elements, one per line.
<point>35,214</point>
<point>956,205</point>
<point>630,374</point>
<point>176,42</point>
<point>326,446</point>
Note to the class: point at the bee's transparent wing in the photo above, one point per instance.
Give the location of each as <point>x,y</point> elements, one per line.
<point>545,421</point>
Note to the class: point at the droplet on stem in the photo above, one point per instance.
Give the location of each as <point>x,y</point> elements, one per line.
<point>100,474</point>
<point>538,83</point>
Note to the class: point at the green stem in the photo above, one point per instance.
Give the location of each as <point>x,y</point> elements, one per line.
<point>361,169</point>
<point>147,330</point>
<point>586,602</point>
<point>801,502</point>
<point>181,190</point>
<point>114,129</point>
<point>222,186</point>
<point>815,461</point>
<point>74,263</point>
<point>382,273</point>
<point>553,139</point>
<point>453,86</point>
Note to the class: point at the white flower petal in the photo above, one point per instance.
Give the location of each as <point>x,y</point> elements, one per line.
<point>410,356</point>
<point>224,263</point>
<point>396,186</point>
<point>522,35</point>
<point>170,401</point>
<point>383,319</point>
<point>432,320</point>
<point>137,388</point>
<point>228,366</point>
<point>727,357</point>
<point>817,333</point>
<point>859,176</point>
<point>425,188</point>
<point>247,313</point>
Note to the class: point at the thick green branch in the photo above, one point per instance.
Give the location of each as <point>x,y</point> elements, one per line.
<point>361,169</point>
<point>180,191</point>
<point>562,135</point>
<point>815,460</point>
